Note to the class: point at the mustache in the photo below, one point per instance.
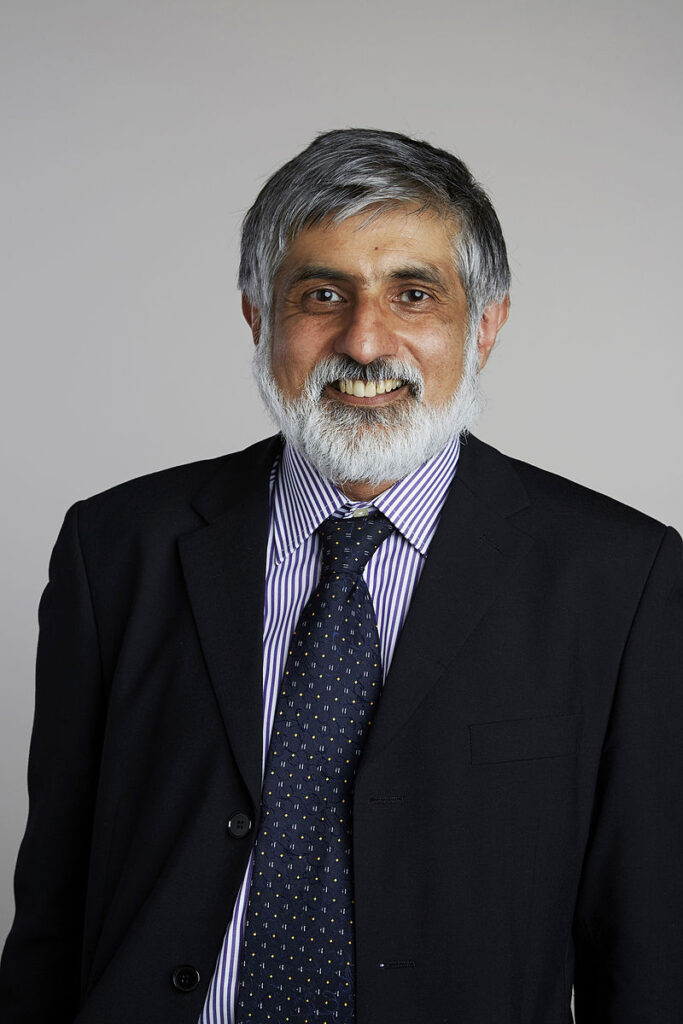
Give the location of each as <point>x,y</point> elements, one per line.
<point>339,367</point>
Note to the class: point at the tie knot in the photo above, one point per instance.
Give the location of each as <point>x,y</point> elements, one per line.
<point>348,544</point>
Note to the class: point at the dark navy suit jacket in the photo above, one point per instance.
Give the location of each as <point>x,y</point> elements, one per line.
<point>518,810</point>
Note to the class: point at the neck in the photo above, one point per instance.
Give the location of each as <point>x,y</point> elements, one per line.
<point>359,491</point>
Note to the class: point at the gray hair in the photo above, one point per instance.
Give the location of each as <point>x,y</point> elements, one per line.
<point>344,172</point>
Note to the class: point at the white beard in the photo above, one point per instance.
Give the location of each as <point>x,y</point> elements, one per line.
<point>352,444</point>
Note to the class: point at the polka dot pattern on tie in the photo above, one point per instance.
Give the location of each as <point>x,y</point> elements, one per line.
<point>298,957</point>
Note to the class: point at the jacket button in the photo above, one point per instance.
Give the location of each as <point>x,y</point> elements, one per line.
<point>239,824</point>
<point>185,978</point>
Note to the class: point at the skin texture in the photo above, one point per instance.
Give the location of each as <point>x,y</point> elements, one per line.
<point>387,289</point>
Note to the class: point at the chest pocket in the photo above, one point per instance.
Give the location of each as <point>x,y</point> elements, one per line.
<point>523,739</point>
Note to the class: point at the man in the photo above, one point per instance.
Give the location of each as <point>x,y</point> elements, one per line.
<point>369,722</point>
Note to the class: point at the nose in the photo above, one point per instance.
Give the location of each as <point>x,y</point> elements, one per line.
<point>366,335</point>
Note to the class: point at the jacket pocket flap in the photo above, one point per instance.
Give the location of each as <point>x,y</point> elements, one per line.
<point>523,739</point>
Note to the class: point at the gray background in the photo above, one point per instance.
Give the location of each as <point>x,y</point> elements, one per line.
<point>136,135</point>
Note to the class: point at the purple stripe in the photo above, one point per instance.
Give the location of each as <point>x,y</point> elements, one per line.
<point>300,500</point>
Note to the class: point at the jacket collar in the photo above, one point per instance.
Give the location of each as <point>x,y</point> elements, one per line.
<point>481,468</point>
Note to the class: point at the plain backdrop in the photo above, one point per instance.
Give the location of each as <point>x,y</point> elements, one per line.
<point>136,135</point>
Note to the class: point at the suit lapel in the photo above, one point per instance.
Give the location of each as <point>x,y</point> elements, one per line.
<point>473,552</point>
<point>224,564</point>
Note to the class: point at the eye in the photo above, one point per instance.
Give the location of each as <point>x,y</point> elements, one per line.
<point>413,296</point>
<point>324,295</point>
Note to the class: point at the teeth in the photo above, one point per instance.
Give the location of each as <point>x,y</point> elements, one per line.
<point>363,389</point>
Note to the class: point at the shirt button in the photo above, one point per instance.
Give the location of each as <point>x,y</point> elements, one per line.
<point>239,824</point>
<point>185,978</point>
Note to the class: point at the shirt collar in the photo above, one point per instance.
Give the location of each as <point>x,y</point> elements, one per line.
<point>303,499</point>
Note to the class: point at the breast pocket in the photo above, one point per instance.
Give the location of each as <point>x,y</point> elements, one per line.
<point>523,739</point>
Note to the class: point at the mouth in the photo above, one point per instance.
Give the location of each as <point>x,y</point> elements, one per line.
<point>367,388</point>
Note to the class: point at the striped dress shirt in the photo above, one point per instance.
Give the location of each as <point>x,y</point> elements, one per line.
<point>300,500</point>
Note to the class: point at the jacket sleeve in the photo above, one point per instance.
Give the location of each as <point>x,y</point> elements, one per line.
<point>628,926</point>
<point>41,963</point>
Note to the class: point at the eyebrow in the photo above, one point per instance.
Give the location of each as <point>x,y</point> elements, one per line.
<point>425,272</point>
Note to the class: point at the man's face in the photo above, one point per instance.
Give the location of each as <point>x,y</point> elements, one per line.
<point>388,290</point>
<point>368,366</point>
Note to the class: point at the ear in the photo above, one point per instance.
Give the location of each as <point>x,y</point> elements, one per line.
<point>253,317</point>
<point>492,319</point>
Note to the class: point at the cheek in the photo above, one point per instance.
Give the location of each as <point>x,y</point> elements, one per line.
<point>303,346</point>
<point>441,367</point>
<point>293,359</point>
<point>446,383</point>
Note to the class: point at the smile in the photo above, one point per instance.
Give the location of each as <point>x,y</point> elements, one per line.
<point>367,389</point>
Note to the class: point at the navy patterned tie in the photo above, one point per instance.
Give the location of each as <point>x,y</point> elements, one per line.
<point>298,952</point>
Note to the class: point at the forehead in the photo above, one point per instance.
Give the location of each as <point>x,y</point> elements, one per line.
<point>378,245</point>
